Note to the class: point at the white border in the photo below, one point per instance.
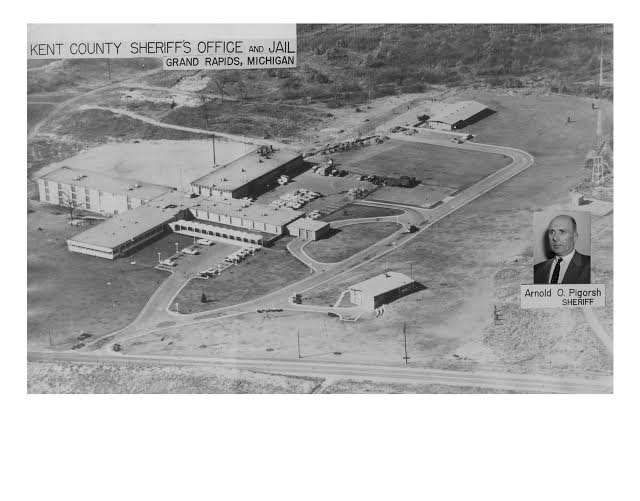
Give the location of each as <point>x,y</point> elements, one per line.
<point>296,447</point>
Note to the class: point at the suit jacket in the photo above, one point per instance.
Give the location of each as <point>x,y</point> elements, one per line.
<point>578,271</point>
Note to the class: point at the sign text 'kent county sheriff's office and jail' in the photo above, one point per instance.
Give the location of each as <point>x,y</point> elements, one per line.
<point>180,54</point>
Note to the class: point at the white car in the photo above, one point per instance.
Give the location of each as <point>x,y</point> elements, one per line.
<point>168,262</point>
<point>204,241</point>
<point>188,250</point>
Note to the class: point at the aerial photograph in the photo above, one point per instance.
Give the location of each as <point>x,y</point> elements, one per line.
<point>378,208</point>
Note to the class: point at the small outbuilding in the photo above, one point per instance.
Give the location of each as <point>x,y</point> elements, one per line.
<point>309,229</point>
<point>381,289</point>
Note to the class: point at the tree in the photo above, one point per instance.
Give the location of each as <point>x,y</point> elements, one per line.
<point>203,298</point>
<point>69,203</point>
<point>221,81</point>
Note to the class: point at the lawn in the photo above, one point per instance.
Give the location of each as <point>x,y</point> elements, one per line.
<point>355,211</point>
<point>267,271</point>
<point>68,293</point>
<point>431,164</point>
<point>349,240</point>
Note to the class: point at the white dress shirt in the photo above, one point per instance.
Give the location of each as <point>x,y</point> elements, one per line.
<point>564,264</point>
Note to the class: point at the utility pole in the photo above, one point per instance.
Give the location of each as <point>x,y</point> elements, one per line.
<point>159,253</point>
<point>50,341</point>
<point>411,269</point>
<point>109,66</point>
<point>299,355</point>
<point>213,141</point>
<point>406,356</point>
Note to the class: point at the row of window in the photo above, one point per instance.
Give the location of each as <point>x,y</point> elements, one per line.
<point>219,233</point>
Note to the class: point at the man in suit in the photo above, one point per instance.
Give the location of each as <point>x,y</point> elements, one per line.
<point>567,266</point>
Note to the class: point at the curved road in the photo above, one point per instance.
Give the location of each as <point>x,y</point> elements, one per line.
<point>155,315</point>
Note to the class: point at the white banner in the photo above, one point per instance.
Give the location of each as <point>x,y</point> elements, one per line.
<point>561,295</point>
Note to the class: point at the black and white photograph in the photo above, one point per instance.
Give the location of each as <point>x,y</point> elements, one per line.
<point>317,208</point>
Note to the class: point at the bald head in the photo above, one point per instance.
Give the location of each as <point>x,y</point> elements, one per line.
<point>562,234</point>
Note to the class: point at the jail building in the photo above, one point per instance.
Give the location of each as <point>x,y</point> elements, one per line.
<point>95,192</point>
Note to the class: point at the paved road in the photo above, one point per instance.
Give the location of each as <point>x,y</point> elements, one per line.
<point>156,312</point>
<point>359,372</point>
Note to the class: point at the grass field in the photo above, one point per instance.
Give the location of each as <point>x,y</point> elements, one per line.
<point>68,293</point>
<point>266,271</point>
<point>46,377</point>
<point>423,195</point>
<point>435,165</point>
<point>349,240</point>
<point>355,211</point>
<point>349,386</point>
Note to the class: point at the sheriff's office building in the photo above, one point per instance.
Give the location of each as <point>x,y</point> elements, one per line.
<point>309,229</point>
<point>95,192</point>
<point>236,220</point>
<point>381,289</point>
<point>249,175</point>
<point>458,115</point>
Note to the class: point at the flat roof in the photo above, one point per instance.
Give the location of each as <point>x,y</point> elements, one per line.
<point>93,180</point>
<point>456,112</point>
<point>383,283</point>
<point>125,226</point>
<point>245,169</point>
<point>242,208</point>
<point>306,223</point>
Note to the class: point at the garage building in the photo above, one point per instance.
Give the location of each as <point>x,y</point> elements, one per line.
<point>309,229</point>
<point>458,115</point>
<point>381,289</point>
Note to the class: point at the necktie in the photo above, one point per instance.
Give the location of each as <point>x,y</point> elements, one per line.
<point>556,272</point>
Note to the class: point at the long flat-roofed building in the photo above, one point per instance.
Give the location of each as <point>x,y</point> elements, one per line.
<point>124,232</point>
<point>95,192</point>
<point>237,220</point>
<point>309,229</point>
<point>381,289</point>
<point>458,115</point>
<point>249,175</point>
